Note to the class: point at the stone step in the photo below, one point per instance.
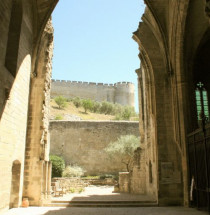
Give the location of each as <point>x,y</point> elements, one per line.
<point>102,204</point>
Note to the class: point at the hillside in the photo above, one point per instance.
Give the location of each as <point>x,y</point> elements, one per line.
<point>72,113</point>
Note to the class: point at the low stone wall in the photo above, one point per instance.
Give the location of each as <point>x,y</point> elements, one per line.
<point>83,143</point>
<point>78,184</point>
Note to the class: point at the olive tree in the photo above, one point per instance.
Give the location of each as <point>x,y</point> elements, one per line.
<point>124,149</point>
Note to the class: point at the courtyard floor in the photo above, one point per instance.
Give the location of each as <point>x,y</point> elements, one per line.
<point>105,211</point>
<point>102,193</point>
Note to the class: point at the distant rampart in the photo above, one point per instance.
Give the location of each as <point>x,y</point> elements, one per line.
<point>121,92</point>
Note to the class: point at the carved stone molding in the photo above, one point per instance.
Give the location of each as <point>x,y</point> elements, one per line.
<point>207,8</point>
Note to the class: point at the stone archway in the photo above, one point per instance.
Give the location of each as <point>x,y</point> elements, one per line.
<point>15,185</point>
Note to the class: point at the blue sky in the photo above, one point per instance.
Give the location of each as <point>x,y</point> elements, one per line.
<point>93,40</point>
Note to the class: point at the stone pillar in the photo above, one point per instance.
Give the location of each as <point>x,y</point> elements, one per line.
<point>49,179</point>
<point>37,143</point>
<point>124,182</point>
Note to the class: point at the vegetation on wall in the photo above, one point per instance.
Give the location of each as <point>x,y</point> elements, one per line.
<point>124,149</point>
<point>58,165</point>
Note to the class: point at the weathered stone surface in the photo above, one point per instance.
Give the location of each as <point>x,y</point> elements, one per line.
<point>121,93</point>
<point>171,38</point>
<point>83,143</point>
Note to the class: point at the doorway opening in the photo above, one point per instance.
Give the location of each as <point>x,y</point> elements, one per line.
<point>15,185</point>
<point>98,64</point>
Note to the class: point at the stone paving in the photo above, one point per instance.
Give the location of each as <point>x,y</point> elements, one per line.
<point>102,193</point>
<point>105,211</point>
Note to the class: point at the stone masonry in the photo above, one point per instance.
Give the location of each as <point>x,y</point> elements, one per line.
<point>174,43</point>
<point>83,143</point>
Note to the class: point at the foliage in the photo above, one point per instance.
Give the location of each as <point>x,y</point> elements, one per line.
<point>73,171</point>
<point>91,177</point>
<point>107,108</point>
<point>87,104</point>
<point>124,148</point>
<point>77,102</point>
<point>58,165</point>
<point>58,117</point>
<point>127,113</point>
<point>81,189</point>
<point>120,112</point>
<point>106,176</point>
<point>61,101</point>
<point>72,190</point>
<point>96,107</point>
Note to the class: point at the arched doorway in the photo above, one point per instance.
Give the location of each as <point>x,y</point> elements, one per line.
<point>15,184</point>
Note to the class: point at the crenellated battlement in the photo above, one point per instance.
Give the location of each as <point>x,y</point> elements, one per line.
<point>91,83</point>
<point>120,92</point>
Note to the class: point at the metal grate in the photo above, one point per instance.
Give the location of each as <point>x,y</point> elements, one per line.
<point>199,168</point>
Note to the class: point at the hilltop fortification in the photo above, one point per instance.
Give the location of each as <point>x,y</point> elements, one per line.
<point>121,92</point>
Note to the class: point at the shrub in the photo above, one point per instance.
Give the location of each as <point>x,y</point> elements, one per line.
<point>58,165</point>
<point>96,107</point>
<point>118,117</point>
<point>107,108</point>
<point>87,104</point>
<point>58,117</point>
<point>81,190</point>
<point>118,109</point>
<point>77,102</point>
<point>73,171</point>
<point>106,176</point>
<point>60,101</point>
<point>72,190</point>
<point>127,113</point>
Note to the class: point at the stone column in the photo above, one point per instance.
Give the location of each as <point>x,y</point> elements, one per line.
<point>49,180</point>
<point>38,121</point>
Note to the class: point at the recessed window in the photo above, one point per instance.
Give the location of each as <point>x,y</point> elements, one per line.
<point>202,102</point>
<point>14,37</point>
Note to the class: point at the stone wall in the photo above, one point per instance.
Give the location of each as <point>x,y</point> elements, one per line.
<point>15,67</point>
<point>83,142</point>
<point>121,92</point>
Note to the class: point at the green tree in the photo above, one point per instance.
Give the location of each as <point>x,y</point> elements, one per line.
<point>77,102</point>
<point>60,101</point>
<point>96,107</point>
<point>87,104</point>
<point>124,149</point>
<point>127,113</point>
<point>107,108</point>
<point>58,165</point>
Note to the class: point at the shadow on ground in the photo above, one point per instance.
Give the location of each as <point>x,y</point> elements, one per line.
<point>125,211</point>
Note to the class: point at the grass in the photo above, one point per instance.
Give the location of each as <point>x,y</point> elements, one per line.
<point>59,114</point>
<point>72,110</point>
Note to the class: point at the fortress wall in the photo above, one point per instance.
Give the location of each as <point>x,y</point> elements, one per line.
<point>121,93</point>
<point>124,93</point>
<point>83,142</point>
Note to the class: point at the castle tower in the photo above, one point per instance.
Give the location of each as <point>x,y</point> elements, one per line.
<point>124,93</point>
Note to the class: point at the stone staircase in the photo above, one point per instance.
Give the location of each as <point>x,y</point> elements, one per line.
<point>94,203</point>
